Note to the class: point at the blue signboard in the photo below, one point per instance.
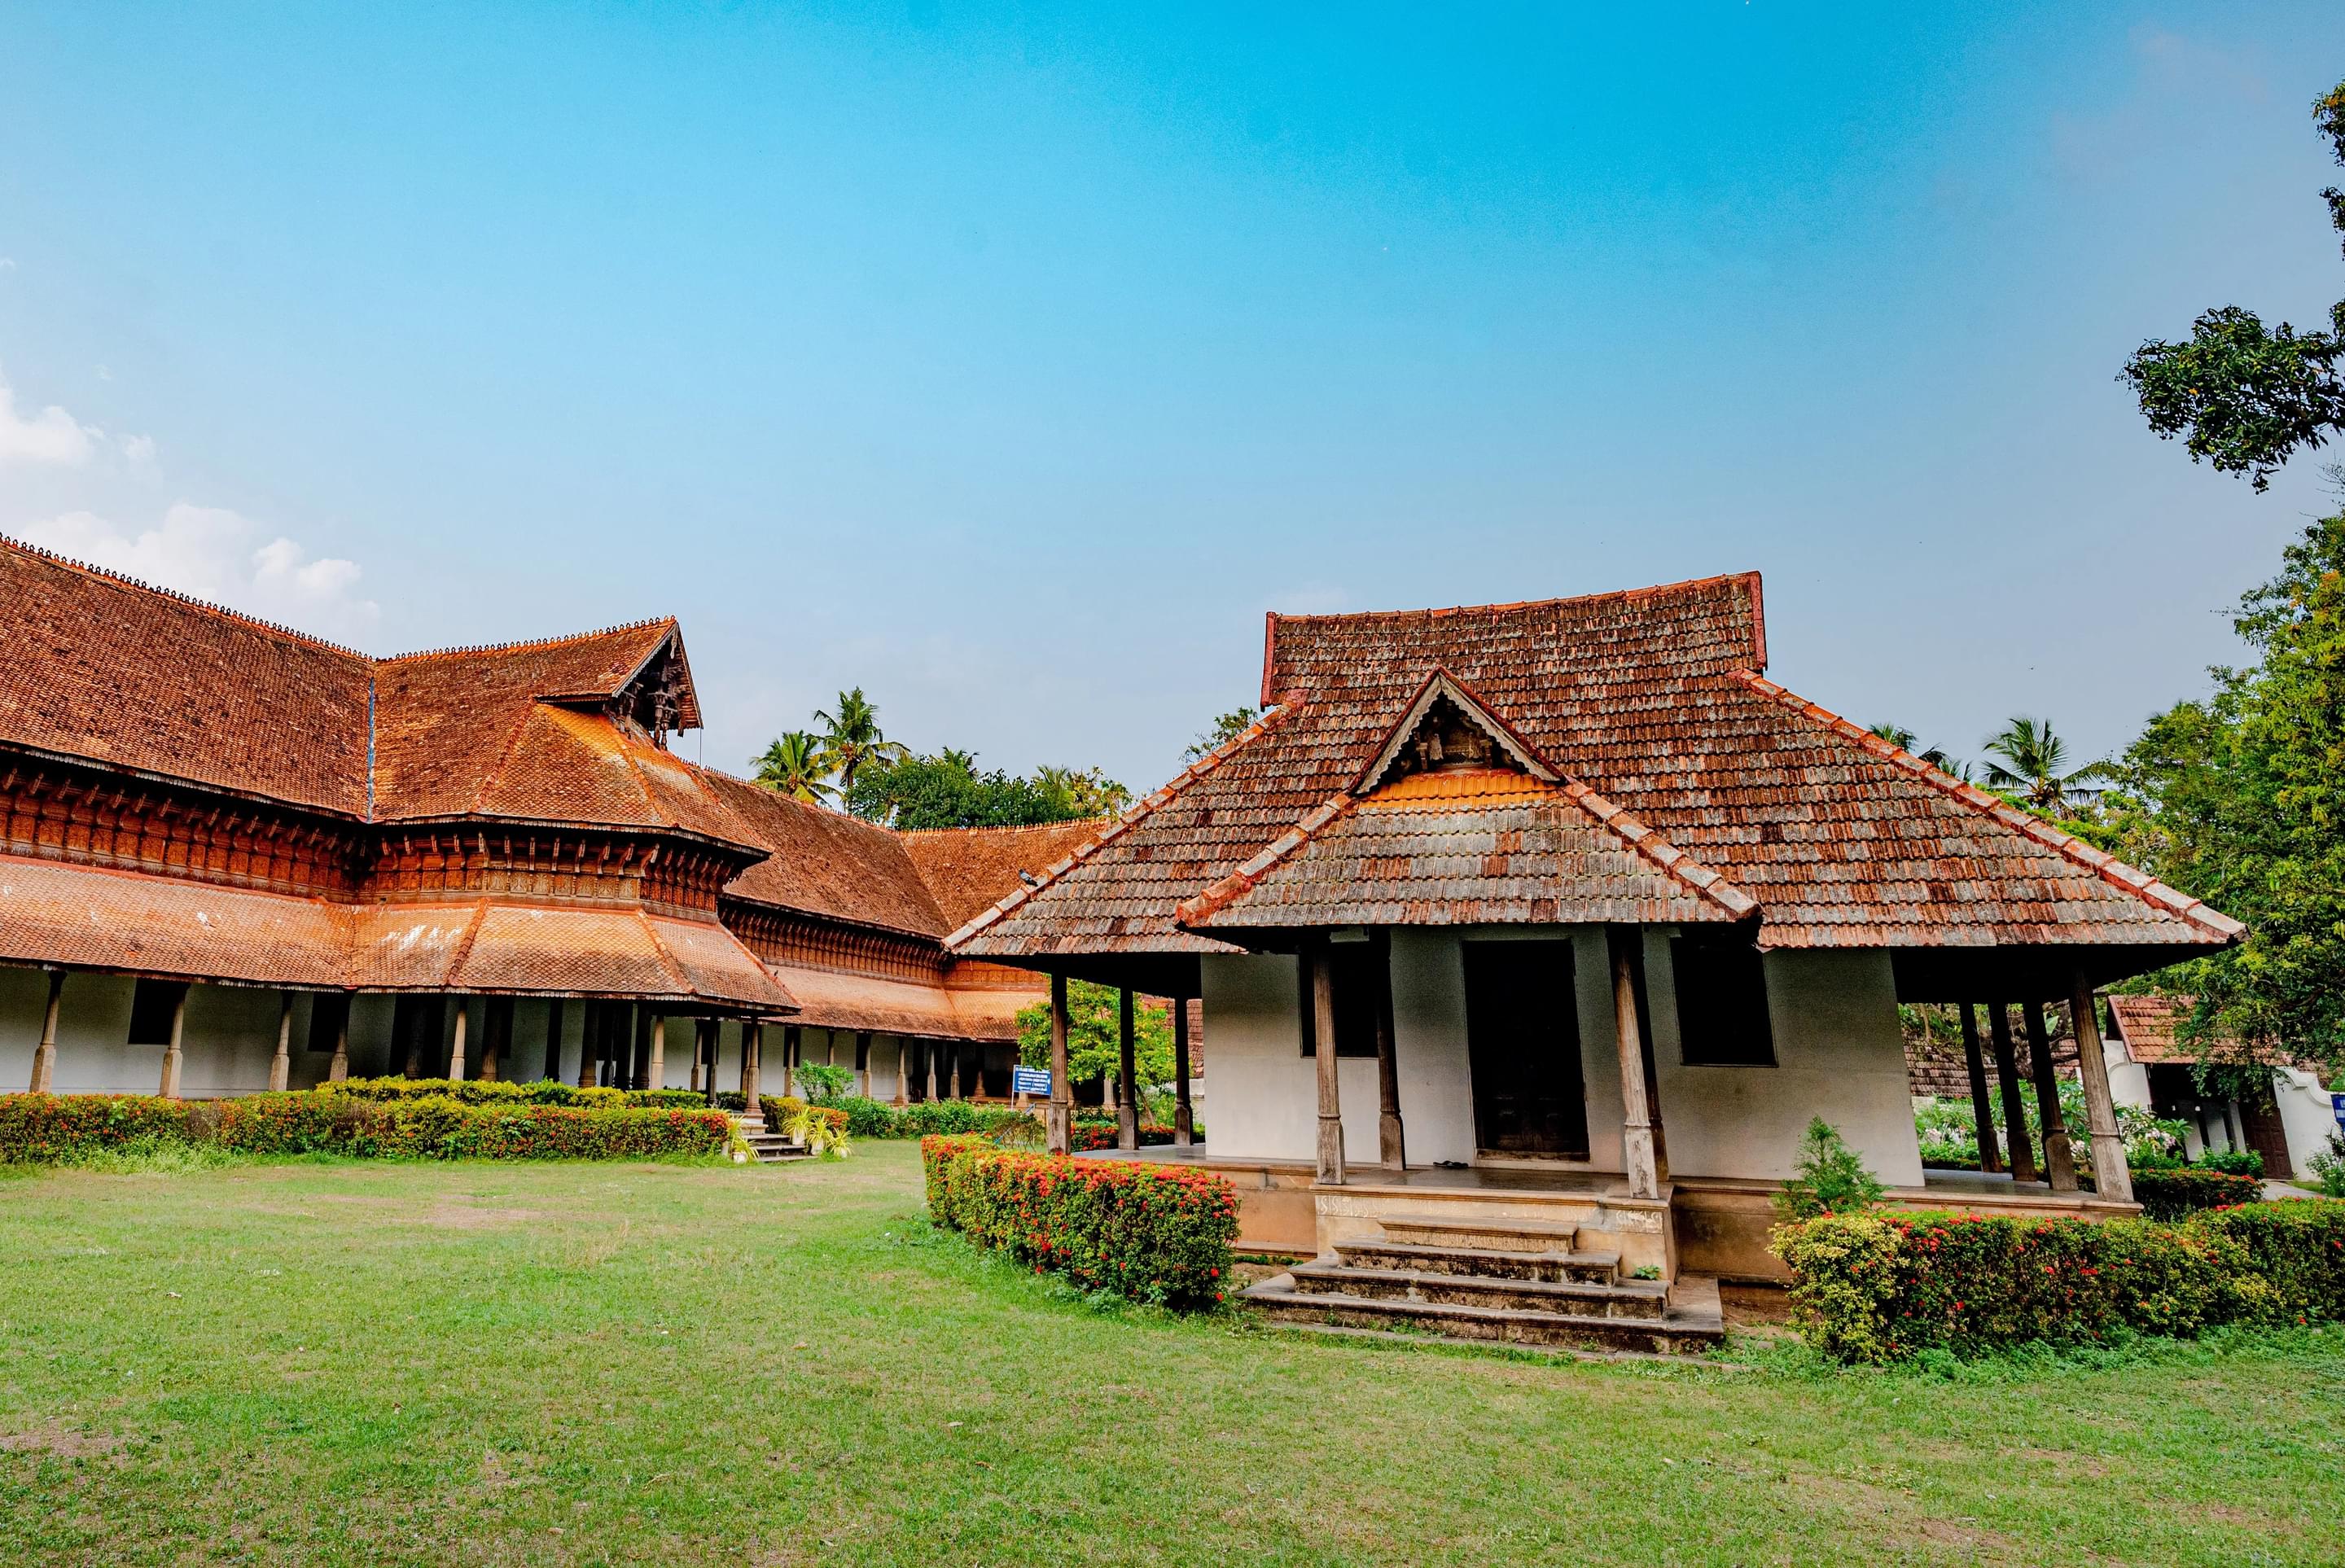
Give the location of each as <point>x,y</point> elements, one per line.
<point>1037,1081</point>
<point>2337,1108</point>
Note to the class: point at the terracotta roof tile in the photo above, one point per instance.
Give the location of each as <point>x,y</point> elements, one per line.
<point>2150,1027</point>
<point>136,924</point>
<point>827,862</point>
<point>967,868</point>
<point>97,666</point>
<point>1651,699</point>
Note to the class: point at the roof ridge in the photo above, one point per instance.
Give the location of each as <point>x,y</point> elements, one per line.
<point>528,642</point>
<point>2108,867</point>
<point>1234,885</point>
<point>1627,825</point>
<point>124,580</point>
<point>1103,820</point>
<point>1146,806</point>
<point>1654,590</point>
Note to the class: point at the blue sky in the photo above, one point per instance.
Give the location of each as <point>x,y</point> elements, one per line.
<point>1012,362</point>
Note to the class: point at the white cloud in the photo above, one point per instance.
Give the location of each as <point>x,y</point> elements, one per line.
<point>51,436</point>
<point>221,555</point>
<point>139,450</point>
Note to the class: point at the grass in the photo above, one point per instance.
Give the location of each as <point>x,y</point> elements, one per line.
<point>329,1362</point>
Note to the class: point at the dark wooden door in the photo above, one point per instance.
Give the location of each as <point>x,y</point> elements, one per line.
<point>2267,1136</point>
<point>1522,1045</point>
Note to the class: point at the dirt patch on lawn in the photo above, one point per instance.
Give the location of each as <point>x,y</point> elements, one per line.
<point>58,1442</point>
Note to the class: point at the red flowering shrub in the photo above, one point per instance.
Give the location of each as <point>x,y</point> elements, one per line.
<point>1880,1286</point>
<point>1084,1136</point>
<point>1153,1232</point>
<point>2187,1189</point>
<point>50,1126</point>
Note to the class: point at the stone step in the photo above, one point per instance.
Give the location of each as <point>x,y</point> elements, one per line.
<point>1692,1324</point>
<point>1482,1262</point>
<point>1487,1235</point>
<point>1643,1299</point>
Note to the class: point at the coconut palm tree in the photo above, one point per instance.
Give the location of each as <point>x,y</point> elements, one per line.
<point>1905,740</point>
<point>2031,767</point>
<point>799,767</point>
<point>852,737</point>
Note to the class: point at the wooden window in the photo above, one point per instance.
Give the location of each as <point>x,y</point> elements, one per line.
<point>1721,988</point>
<point>1353,974</point>
<point>151,1007</point>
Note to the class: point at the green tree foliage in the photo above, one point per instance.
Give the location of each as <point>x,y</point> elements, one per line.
<point>1221,731</point>
<point>947,789</point>
<point>2243,396</point>
<point>1092,1035</point>
<point>2240,800</point>
<point>852,739</point>
<point>1905,740</point>
<point>2028,761</point>
<point>796,765</point>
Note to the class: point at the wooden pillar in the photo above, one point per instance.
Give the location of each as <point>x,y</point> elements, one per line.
<point>2110,1178</point>
<point>44,1054</point>
<point>1127,1109</point>
<point>863,1062</point>
<point>496,1035</point>
<point>1982,1108</point>
<point>1184,1120</point>
<point>2021,1151</point>
<point>456,1044</point>
<point>699,1049</point>
<point>1319,974</point>
<point>1058,1121</point>
<point>929,1059</point>
<point>1637,1108</point>
<point>903,1069</point>
<point>553,1073</point>
<point>655,1074</point>
<point>752,1054</point>
<point>2059,1160</point>
<point>281,1066</point>
<point>1392,1146</point>
<point>590,1044</point>
<point>789,1059</point>
<point>171,1057</point>
<point>338,1069</point>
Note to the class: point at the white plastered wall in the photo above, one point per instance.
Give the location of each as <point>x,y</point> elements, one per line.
<point>1839,1055</point>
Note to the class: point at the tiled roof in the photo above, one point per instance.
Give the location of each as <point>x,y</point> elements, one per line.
<point>830,999</point>
<point>827,862</point>
<point>94,665</point>
<point>1480,845</point>
<point>1651,699</point>
<point>140,923</point>
<point>2150,1027</point>
<point>967,868</point>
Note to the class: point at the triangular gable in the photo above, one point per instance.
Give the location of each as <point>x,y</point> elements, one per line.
<point>1404,751</point>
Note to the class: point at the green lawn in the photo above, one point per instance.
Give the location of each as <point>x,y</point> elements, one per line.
<point>485,1363</point>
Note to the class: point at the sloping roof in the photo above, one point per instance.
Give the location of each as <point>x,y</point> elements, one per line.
<point>2151,1028</point>
<point>967,868</point>
<point>1480,845</point>
<point>1651,699</point>
<point>94,665</point>
<point>827,862</point>
<point>136,923</point>
<point>832,999</point>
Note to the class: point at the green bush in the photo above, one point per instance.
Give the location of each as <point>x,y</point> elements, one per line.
<point>1829,1178</point>
<point>49,1127</point>
<point>543,1091</point>
<point>875,1118</point>
<point>2233,1162</point>
<point>2170,1194</point>
<point>1884,1287</point>
<point>1156,1233</point>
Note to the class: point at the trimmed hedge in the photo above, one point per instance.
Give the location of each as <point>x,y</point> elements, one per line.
<point>2172,1194</point>
<point>1882,1287</point>
<point>929,1118</point>
<point>543,1091</point>
<point>310,1121</point>
<point>1156,1233</point>
<point>1084,1136</point>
